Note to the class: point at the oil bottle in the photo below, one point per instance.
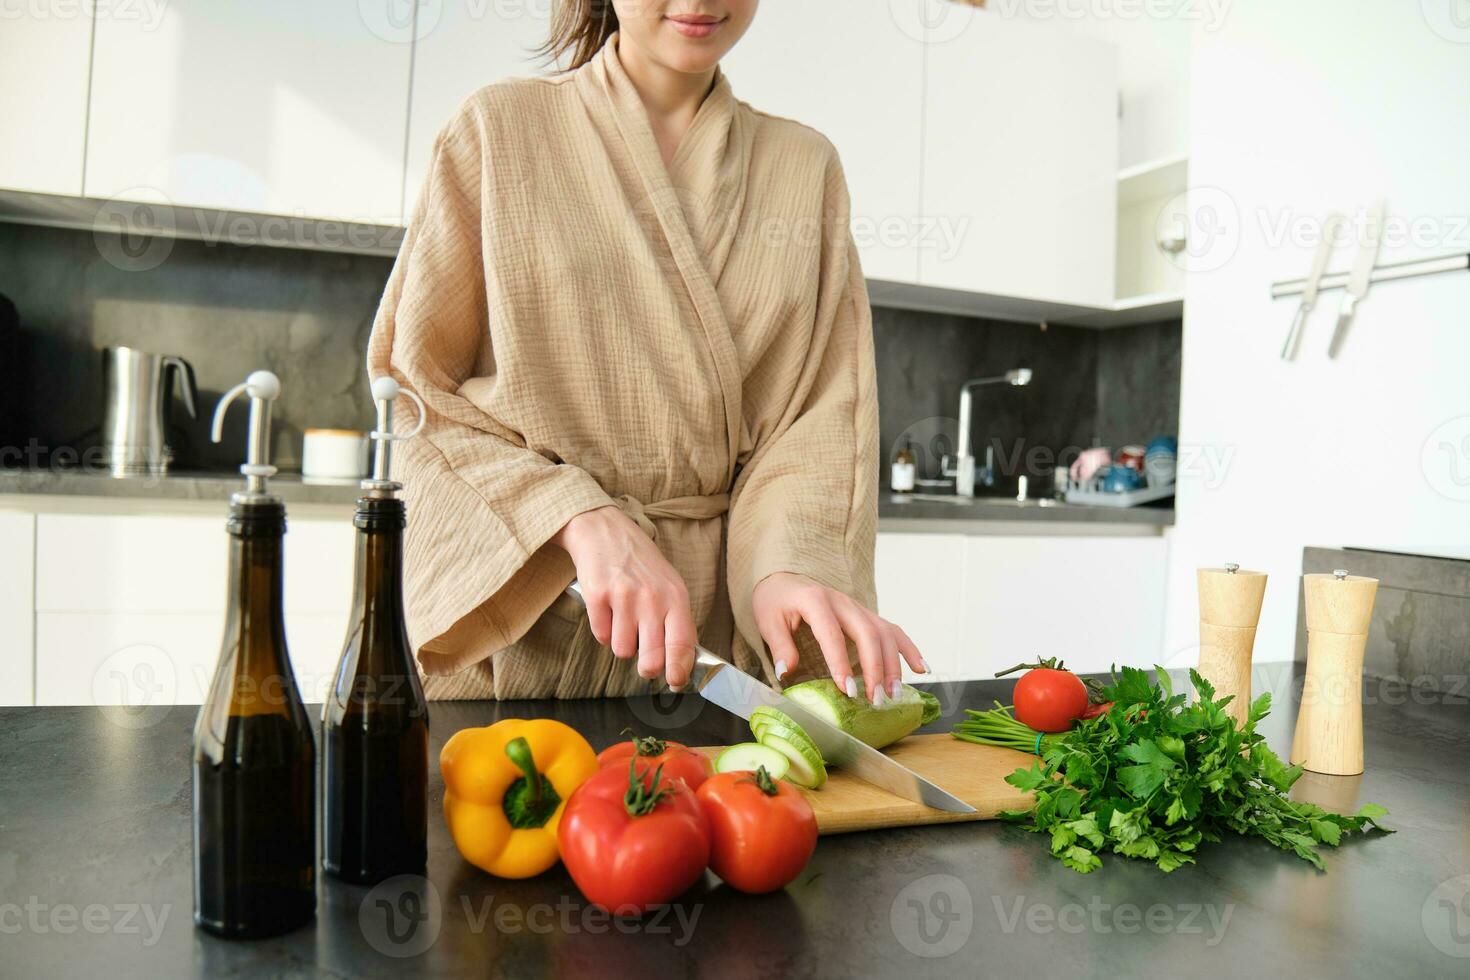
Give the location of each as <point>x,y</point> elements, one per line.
<point>254,826</point>
<point>375,723</point>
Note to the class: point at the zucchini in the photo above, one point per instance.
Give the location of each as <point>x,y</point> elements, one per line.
<point>876,726</point>
<point>750,756</point>
<point>777,731</point>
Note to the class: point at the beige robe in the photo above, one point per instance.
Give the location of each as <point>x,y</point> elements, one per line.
<point>589,327</point>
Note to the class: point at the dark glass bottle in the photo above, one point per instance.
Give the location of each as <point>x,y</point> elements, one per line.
<point>254,822</point>
<point>375,724</point>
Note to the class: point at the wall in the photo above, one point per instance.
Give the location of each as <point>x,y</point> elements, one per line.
<point>226,309</point>
<point>1297,109</point>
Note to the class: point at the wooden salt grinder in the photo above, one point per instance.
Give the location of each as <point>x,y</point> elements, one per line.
<point>1329,726</point>
<point>1229,609</point>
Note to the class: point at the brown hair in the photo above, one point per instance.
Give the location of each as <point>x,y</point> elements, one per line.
<point>579,28</point>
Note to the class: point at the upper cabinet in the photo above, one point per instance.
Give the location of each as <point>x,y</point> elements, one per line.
<point>274,106</point>
<point>1020,159</point>
<point>43,97</point>
<point>462,47</point>
<point>854,72</point>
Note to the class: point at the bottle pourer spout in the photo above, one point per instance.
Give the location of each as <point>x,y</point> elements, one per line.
<point>262,387</point>
<point>385,392</point>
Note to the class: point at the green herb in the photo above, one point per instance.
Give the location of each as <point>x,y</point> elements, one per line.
<point>1154,778</point>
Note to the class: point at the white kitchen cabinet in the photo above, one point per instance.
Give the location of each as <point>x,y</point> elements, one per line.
<point>1091,601</point>
<point>920,579</point>
<point>463,48</point>
<point>44,53</point>
<point>272,106</point>
<point>854,72</point>
<point>17,617</point>
<point>1020,159</point>
<point>129,609</point>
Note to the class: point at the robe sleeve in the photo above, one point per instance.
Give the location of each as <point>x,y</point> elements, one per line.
<point>806,502</point>
<point>481,505</point>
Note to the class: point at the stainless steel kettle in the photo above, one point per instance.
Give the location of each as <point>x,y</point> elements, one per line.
<point>138,391</point>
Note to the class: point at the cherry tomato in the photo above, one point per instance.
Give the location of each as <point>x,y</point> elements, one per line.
<point>1049,700</point>
<point>762,831</point>
<point>633,840</point>
<point>678,761</point>
<point>1097,710</point>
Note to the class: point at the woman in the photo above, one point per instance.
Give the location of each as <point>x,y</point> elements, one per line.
<point>634,310</point>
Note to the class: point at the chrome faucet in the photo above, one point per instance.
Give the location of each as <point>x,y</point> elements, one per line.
<point>963,469</point>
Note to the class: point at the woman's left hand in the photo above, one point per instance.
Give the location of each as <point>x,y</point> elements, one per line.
<point>783,601</point>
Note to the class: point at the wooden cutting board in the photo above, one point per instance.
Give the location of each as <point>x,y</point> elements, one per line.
<point>974,773</point>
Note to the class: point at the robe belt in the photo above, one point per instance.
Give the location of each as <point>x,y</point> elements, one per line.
<point>692,508</point>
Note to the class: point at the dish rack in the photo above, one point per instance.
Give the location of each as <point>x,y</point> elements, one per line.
<point>1123,498</point>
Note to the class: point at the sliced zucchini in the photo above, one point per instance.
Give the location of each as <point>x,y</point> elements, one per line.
<point>805,771</point>
<point>750,756</point>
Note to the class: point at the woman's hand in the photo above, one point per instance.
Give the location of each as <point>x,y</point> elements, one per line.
<point>783,601</point>
<point>636,601</point>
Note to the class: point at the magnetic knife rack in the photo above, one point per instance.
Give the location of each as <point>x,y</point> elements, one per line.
<point>1388,272</point>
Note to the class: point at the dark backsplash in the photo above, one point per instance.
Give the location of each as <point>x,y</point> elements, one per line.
<point>306,315</point>
<point>226,309</point>
<point>1088,387</point>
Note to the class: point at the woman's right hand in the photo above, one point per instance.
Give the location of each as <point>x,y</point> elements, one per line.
<point>636,602</point>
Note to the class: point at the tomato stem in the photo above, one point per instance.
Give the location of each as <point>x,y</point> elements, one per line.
<point>763,781</point>
<point>1050,663</point>
<point>646,745</point>
<point>640,800</point>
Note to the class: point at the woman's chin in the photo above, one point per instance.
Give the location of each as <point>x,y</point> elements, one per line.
<point>691,59</point>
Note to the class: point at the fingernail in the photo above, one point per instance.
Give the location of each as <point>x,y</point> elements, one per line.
<point>924,665</point>
<point>878,699</point>
<point>893,688</point>
<point>852,687</point>
<point>781,668</point>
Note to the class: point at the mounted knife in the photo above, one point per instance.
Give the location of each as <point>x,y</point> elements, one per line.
<point>1358,281</point>
<point>1312,285</point>
<point>737,692</point>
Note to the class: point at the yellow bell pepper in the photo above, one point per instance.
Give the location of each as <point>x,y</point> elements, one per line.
<point>504,790</point>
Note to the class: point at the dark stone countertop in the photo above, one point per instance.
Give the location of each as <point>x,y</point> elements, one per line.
<point>95,876</point>
<point>949,511</point>
<point>896,511</point>
<point>186,486</point>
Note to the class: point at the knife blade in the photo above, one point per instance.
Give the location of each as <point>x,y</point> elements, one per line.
<point>1360,278</point>
<point>1312,285</point>
<point>724,684</point>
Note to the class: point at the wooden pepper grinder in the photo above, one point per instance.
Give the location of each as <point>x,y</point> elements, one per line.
<point>1229,609</point>
<point>1329,726</point>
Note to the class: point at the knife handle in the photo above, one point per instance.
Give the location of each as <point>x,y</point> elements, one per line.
<point>706,664</point>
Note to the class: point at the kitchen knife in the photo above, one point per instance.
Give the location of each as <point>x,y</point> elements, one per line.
<point>1362,275</point>
<point>1310,288</point>
<point>737,692</point>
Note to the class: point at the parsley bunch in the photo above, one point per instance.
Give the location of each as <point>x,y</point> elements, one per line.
<point>1153,778</point>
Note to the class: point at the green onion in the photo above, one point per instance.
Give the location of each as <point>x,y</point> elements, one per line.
<point>999,727</point>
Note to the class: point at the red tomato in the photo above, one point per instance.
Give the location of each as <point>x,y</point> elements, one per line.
<point>679,761</point>
<point>762,831</point>
<point>1049,700</point>
<point>631,840</point>
<point>1097,710</point>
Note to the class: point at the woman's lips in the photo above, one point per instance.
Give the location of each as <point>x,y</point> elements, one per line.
<point>695,25</point>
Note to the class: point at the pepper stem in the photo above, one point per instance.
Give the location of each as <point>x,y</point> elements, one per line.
<point>519,751</point>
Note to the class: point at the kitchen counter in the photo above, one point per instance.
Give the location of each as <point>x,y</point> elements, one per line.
<point>95,876</point>
<point>896,511</point>
<point>948,513</point>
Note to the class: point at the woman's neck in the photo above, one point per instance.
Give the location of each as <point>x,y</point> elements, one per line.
<point>671,98</point>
